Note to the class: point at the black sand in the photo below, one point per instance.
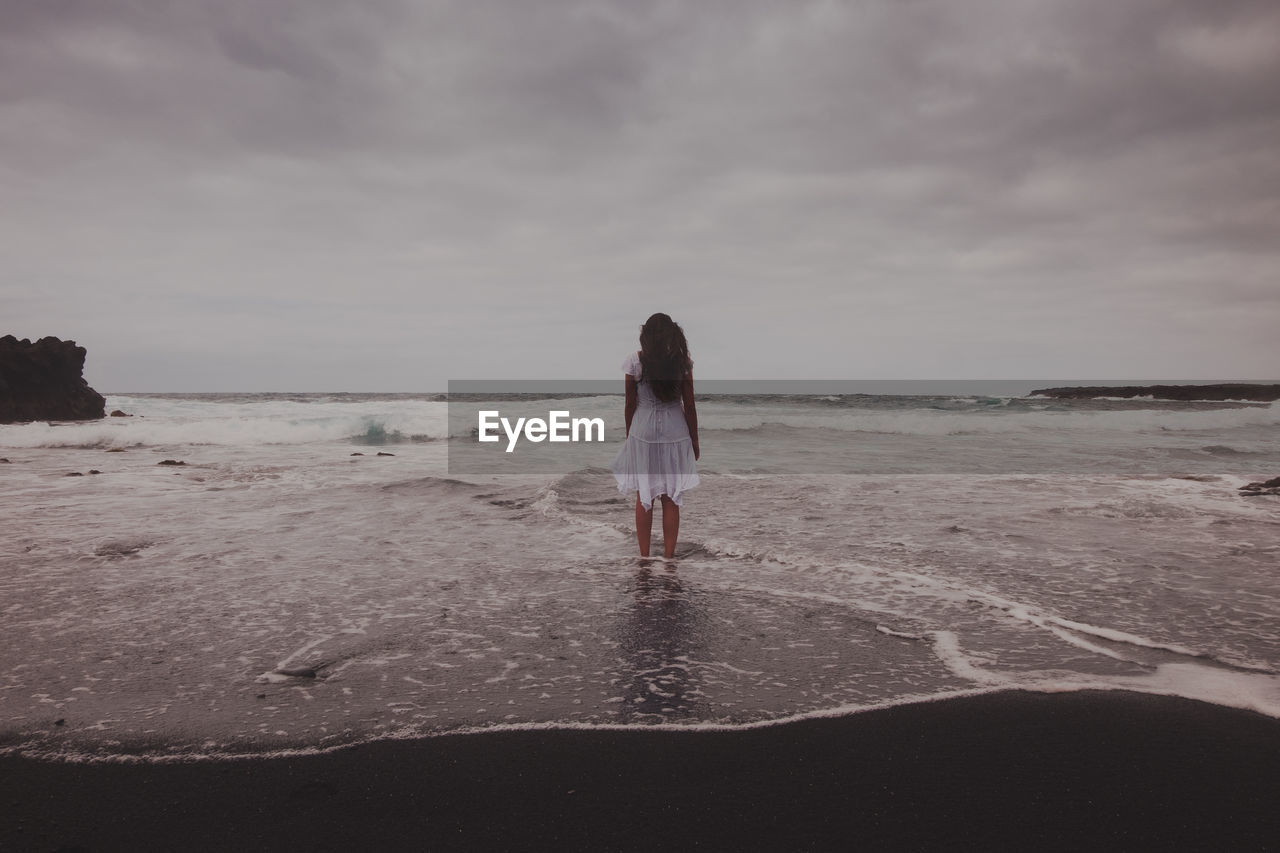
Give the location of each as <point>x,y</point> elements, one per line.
<point>1012,771</point>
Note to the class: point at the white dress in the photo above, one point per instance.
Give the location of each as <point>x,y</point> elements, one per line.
<point>657,457</point>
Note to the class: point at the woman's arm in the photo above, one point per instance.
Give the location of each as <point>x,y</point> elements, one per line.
<point>632,401</point>
<point>690,412</point>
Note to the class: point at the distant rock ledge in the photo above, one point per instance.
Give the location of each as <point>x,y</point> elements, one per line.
<point>1227,391</point>
<point>44,381</point>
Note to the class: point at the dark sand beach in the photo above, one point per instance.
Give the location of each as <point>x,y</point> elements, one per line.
<point>1092,770</point>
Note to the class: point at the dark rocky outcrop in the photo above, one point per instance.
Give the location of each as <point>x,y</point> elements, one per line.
<point>44,381</point>
<point>1267,487</point>
<point>1225,391</point>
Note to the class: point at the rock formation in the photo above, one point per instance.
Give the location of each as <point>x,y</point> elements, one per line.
<point>1228,391</point>
<point>1267,487</point>
<point>44,381</point>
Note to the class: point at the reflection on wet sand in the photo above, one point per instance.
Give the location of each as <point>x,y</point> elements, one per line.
<point>659,636</point>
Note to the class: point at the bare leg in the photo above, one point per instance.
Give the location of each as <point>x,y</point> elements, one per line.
<point>670,526</point>
<point>644,526</point>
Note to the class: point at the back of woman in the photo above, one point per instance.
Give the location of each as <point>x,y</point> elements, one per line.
<point>657,460</point>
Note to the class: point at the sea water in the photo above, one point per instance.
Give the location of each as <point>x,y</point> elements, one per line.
<point>289,588</point>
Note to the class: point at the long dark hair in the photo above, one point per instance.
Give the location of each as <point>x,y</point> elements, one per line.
<point>664,356</point>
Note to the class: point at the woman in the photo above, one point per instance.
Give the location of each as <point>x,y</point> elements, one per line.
<point>657,459</point>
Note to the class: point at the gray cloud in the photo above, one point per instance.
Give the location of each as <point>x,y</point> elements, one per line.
<point>386,195</point>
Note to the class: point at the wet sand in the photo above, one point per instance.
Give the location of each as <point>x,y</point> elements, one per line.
<point>1093,770</point>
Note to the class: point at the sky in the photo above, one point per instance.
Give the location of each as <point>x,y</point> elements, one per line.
<point>311,195</point>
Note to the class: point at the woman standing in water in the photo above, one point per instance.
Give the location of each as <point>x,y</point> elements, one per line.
<point>658,458</point>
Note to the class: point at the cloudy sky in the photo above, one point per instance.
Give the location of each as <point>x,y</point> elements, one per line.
<point>384,195</point>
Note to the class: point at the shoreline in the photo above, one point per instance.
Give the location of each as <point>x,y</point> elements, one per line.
<point>158,748</point>
<point>1103,768</point>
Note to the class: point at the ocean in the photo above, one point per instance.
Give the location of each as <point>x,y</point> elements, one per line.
<point>289,588</point>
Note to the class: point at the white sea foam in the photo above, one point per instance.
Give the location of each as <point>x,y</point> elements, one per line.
<point>169,422</point>
<point>927,422</point>
<point>163,421</point>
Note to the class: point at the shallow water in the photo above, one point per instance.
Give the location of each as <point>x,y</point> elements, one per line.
<point>840,554</point>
